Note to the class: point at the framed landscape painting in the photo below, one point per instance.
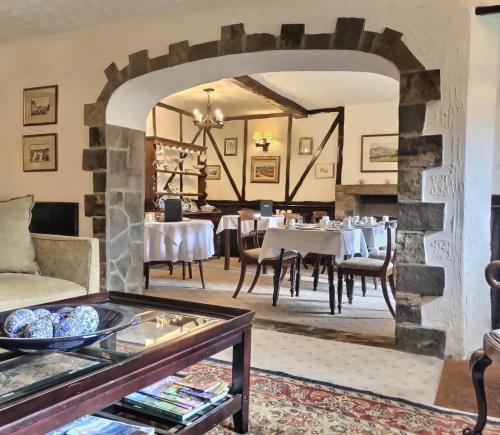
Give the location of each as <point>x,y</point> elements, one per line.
<point>213,172</point>
<point>40,152</point>
<point>379,153</point>
<point>40,105</point>
<point>265,169</point>
<point>324,170</point>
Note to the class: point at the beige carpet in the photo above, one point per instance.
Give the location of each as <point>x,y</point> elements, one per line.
<point>367,316</point>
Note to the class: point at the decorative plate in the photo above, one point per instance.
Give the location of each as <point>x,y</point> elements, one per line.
<point>111,319</point>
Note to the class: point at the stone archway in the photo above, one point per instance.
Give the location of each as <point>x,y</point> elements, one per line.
<point>116,158</point>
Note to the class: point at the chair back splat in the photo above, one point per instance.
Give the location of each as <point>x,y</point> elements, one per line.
<point>317,215</point>
<point>249,240</point>
<point>389,227</point>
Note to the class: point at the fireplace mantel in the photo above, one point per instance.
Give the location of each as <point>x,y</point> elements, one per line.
<point>368,189</point>
<point>365,199</point>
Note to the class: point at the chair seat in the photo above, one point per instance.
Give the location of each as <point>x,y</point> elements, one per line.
<point>379,254</point>
<point>360,263</point>
<point>254,254</point>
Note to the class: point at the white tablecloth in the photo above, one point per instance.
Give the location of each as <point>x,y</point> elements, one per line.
<point>338,243</point>
<point>178,241</point>
<point>375,236</point>
<point>230,222</point>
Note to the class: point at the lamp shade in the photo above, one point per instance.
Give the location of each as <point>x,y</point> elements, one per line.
<point>257,135</point>
<point>268,135</point>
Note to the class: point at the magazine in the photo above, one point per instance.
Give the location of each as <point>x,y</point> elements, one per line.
<point>93,425</point>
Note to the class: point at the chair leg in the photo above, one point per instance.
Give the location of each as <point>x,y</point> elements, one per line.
<point>324,268</point>
<point>202,274</point>
<point>303,261</point>
<point>278,266</point>
<point>146,274</point>
<point>392,284</point>
<point>331,286</point>
<point>292,279</point>
<point>242,279</point>
<point>375,283</point>
<point>300,259</point>
<point>383,283</point>
<point>349,283</point>
<point>316,272</point>
<point>190,270</point>
<point>264,269</point>
<point>255,278</point>
<point>183,270</point>
<point>339,292</point>
<point>363,285</point>
<point>283,273</point>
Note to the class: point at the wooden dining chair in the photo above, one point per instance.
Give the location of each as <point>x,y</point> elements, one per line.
<point>318,215</point>
<point>249,252</point>
<point>296,216</point>
<point>382,269</point>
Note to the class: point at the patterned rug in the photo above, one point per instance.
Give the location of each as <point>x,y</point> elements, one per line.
<point>284,404</point>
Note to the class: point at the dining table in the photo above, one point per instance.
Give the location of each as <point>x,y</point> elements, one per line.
<point>332,243</point>
<point>186,241</point>
<point>229,222</point>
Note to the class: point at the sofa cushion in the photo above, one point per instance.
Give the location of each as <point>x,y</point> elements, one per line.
<point>17,253</point>
<point>22,290</point>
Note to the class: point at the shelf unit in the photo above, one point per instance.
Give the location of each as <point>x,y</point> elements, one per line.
<point>166,171</point>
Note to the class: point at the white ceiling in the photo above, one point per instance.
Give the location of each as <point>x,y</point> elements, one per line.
<point>310,89</point>
<point>20,18</point>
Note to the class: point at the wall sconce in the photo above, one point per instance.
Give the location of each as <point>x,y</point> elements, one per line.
<point>262,140</point>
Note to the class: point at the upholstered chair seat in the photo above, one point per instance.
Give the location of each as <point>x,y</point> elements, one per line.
<point>374,264</point>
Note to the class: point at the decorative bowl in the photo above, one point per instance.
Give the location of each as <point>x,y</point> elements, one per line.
<point>111,319</point>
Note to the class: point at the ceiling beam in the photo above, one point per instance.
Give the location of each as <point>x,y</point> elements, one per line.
<point>488,10</point>
<point>277,100</point>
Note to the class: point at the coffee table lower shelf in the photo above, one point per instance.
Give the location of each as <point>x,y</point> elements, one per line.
<point>200,423</point>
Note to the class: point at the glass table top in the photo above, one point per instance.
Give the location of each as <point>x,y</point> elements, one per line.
<point>22,374</point>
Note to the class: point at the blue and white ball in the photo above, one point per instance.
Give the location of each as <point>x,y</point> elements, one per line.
<point>65,311</point>
<point>87,317</point>
<point>41,328</point>
<point>41,312</point>
<point>67,327</point>
<point>17,320</point>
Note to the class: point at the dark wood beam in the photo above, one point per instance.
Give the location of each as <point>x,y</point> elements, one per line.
<point>174,109</point>
<point>340,146</point>
<point>317,153</point>
<point>283,103</point>
<point>488,10</point>
<point>325,110</point>
<point>244,169</point>
<point>288,158</point>
<point>154,121</point>
<point>224,166</point>
<point>258,116</point>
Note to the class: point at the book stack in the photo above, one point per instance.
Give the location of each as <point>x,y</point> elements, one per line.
<point>179,398</point>
<point>93,425</point>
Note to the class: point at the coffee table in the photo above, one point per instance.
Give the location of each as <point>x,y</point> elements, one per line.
<point>170,336</point>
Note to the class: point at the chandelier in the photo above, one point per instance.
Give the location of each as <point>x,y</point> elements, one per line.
<point>208,120</point>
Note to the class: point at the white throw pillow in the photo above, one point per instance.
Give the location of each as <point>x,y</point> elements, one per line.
<point>17,254</point>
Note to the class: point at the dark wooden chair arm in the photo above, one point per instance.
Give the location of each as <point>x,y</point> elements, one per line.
<point>490,274</point>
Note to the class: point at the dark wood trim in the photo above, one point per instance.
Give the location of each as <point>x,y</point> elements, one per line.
<point>181,165</point>
<point>340,146</point>
<point>283,103</point>
<point>288,157</point>
<point>224,166</point>
<point>154,122</point>
<point>316,154</point>
<point>325,110</point>
<point>488,10</point>
<point>244,169</point>
<point>171,142</point>
<point>174,109</point>
<point>258,116</point>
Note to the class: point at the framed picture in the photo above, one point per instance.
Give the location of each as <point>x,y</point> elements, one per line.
<point>213,172</point>
<point>40,152</point>
<point>265,169</point>
<point>379,153</point>
<point>40,105</point>
<point>324,170</point>
<point>230,146</point>
<point>305,146</point>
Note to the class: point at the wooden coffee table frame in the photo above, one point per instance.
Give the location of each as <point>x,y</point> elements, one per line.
<point>55,406</point>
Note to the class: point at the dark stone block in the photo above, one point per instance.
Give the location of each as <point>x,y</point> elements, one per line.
<point>97,136</point>
<point>348,33</point>
<point>291,36</point>
<point>99,226</point>
<point>105,94</point>
<point>125,73</point>
<point>421,216</point>
<point>178,53</point>
<point>94,205</point>
<point>408,310</point>
<point>404,59</point>
<point>102,276</point>
<point>115,198</point>
<point>386,42</point>
<point>231,39</point>
<point>134,206</point>
<point>94,159</point>
<point>419,87</point>
<point>411,119</point>
<point>139,63</point>
<point>410,247</point>
<point>420,279</point>
<point>113,75</point>
<point>319,41</point>
<point>366,41</point>
<point>158,62</point>
<point>410,184</point>
<point>203,51</point>
<point>423,341</point>
<point>99,181</point>
<point>95,114</point>
<point>260,42</point>
<point>420,151</point>
<point>102,251</point>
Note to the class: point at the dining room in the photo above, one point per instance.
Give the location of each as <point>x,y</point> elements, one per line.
<point>278,192</point>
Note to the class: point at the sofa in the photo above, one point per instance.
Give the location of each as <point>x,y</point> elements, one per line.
<point>69,267</point>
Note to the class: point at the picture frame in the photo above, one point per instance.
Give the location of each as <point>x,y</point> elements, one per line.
<point>40,105</point>
<point>265,169</point>
<point>230,146</point>
<point>306,146</point>
<point>324,170</point>
<point>213,172</point>
<point>379,153</point>
<point>40,152</point>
